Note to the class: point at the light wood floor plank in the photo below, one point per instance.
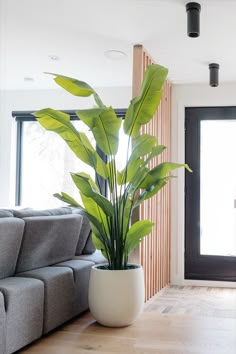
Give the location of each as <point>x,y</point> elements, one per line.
<point>153,333</point>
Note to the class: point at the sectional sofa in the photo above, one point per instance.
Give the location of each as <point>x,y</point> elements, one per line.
<point>45,261</point>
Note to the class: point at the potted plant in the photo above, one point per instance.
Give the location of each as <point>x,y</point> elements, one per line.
<point>116,291</point>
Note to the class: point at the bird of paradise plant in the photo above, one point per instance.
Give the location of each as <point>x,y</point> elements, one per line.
<point>110,216</point>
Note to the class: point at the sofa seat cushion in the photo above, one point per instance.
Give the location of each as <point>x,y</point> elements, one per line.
<point>11,231</point>
<point>48,240</point>
<point>24,299</point>
<point>81,271</point>
<point>96,257</point>
<point>59,294</point>
<point>2,325</point>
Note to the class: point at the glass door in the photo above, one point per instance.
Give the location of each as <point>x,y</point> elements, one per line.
<point>210,200</point>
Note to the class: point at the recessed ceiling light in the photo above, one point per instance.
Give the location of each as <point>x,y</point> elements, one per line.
<point>115,54</point>
<point>54,57</point>
<point>28,79</point>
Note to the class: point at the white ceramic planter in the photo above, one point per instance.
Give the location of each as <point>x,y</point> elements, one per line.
<point>116,297</point>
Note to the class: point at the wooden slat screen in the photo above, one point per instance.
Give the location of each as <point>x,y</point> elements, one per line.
<point>154,251</point>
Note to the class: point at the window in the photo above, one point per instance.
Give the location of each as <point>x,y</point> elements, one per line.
<point>44,162</point>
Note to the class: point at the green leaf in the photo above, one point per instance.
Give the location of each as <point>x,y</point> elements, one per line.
<point>150,191</point>
<point>59,123</point>
<point>160,171</point>
<point>76,87</point>
<point>94,211</point>
<point>128,173</point>
<point>105,126</point>
<point>125,217</point>
<point>135,234</point>
<point>138,170</point>
<point>100,245</point>
<point>156,150</point>
<point>97,242</point>
<point>166,167</point>
<point>143,107</point>
<point>73,86</point>
<point>87,187</point>
<point>142,146</point>
<point>96,225</point>
<point>67,199</point>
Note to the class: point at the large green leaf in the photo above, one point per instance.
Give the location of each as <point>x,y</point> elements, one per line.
<point>142,146</point>
<point>94,211</point>
<point>105,127</point>
<point>59,123</point>
<point>76,87</point>
<point>73,86</point>
<point>67,199</point>
<point>97,242</point>
<point>143,107</point>
<point>150,191</point>
<point>126,210</point>
<point>156,150</point>
<point>128,173</point>
<point>110,165</point>
<point>97,223</point>
<point>138,178</point>
<point>87,187</point>
<point>160,171</point>
<point>137,231</point>
<point>136,171</point>
<point>100,245</point>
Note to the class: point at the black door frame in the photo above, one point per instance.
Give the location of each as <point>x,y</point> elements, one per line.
<point>199,266</point>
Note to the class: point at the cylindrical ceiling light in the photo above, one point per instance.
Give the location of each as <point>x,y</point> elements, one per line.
<point>214,74</point>
<point>193,19</point>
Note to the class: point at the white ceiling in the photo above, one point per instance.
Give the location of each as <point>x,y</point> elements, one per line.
<point>80,31</point>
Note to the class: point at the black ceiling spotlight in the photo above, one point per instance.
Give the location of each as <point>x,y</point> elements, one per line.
<point>214,74</point>
<point>193,19</point>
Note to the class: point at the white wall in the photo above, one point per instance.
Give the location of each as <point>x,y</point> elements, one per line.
<point>118,97</point>
<point>189,96</point>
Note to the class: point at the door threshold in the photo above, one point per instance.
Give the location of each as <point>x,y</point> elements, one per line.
<point>210,283</point>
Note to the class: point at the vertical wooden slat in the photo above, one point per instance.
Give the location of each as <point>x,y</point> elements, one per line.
<point>154,251</point>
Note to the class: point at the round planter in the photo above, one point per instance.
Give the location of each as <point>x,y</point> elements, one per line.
<point>116,297</point>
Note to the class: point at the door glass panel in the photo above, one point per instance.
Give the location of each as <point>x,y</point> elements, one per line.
<point>218,188</point>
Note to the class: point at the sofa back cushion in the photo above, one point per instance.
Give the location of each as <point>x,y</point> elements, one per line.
<point>27,212</point>
<point>83,237</point>
<point>5,213</point>
<point>89,247</point>
<point>85,244</point>
<point>48,240</point>
<point>11,231</point>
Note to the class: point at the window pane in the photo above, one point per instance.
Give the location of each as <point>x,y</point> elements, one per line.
<point>46,165</point>
<point>122,155</point>
<point>218,188</point>
<point>123,152</point>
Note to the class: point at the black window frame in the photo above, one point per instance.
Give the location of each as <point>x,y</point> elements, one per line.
<point>27,116</point>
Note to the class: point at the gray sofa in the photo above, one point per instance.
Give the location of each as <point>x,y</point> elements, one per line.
<point>45,261</point>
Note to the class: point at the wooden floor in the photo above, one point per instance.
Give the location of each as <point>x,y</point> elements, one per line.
<point>157,331</point>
